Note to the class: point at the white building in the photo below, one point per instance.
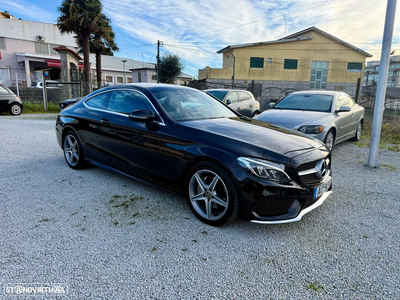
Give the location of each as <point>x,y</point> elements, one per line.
<point>26,49</point>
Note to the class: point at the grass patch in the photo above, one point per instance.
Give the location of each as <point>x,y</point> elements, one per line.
<point>36,108</point>
<point>390,133</point>
<point>315,286</point>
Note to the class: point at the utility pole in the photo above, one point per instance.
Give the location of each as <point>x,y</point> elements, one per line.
<point>382,81</point>
<point>123,62</point>
<point>158,60</point>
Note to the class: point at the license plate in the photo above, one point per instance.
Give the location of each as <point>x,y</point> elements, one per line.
<point>322,189</point>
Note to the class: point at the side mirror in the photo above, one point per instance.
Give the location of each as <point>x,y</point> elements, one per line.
<point>344,109</point>
<point>142,115</point>
<point>228,102</point>
<point>271,104</point>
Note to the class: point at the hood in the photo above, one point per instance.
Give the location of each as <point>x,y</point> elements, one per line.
<point>250,137</point>
<point>293,118</point>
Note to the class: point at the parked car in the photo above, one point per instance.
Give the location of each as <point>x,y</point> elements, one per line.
<point>239,100</point>
<point>331,117</point>
<point>50,84</point>
<point>9,101</point>
<point>65,103</point>
<point>184,140</point>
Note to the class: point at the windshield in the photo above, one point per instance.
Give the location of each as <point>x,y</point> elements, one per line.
<point>190,104</point>
<point>218,94</point>
<point>309,102</point>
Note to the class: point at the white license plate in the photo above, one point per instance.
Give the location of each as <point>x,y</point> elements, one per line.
<point>322,189</point>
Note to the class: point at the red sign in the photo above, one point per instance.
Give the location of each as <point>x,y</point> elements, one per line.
<point>57,64</point>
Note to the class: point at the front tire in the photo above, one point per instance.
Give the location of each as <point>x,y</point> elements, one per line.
<point>15,109</point>
<point>212,194</point>
<point>73,152</point>
<point>330,139</point>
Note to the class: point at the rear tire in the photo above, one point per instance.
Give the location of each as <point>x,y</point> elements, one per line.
<point>212,194</point>
<point>357,136</point>
<point>330,139</point>
<point>73,152</point>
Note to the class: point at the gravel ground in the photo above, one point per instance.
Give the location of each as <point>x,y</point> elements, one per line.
<point>105,236</point>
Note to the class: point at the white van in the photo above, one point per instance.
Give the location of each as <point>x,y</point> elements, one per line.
<point>50,84</point>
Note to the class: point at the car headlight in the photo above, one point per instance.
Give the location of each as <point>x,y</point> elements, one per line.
<point>264,169</point>
<point>311,129</point>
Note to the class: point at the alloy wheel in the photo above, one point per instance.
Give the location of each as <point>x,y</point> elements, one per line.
<point>208,195</point>
<point>71,150</point>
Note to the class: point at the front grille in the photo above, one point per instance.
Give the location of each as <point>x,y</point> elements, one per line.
<point>314,177</point>
<point>310,180</point>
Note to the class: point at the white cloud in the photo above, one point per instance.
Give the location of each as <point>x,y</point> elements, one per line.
<point>29,11</point>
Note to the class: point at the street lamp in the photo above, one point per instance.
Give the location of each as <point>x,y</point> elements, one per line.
<point>124,61</point>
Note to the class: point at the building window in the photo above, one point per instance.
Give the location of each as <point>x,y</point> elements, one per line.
<point>2,43</point>
<point>52,51</point>
<point>41,48</point>
<point>354,67</point>
<point>120,79</point>
<point>153,77</point>
<point>319,74</point>
<point>109,79</point>
<point>290,64</point>
<point>269,61</point>
<point>129,79</point>
<point>139,76</point>
<point>256,62</point>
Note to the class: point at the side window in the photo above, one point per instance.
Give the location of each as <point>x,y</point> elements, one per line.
<point>3,90</point>
<point>342,100</point>
<point>233,97</point>
<point>99,101</point>
<point>243,96</point>
<point>350,101</point>
<point>128,101</point>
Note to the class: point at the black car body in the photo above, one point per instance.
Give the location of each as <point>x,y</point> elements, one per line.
<point>65,103</point>
<point>9,101</point>
<point>223,164</point>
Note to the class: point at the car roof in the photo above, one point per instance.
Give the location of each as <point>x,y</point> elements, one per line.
<point>225,90</point>
<point>318,92</point>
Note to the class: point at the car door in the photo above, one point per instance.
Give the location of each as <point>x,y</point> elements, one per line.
<point>344,120</point>
<point>130,146</point>
<point>5,96</point>
<point>232,100</point>
<point>245,102</point>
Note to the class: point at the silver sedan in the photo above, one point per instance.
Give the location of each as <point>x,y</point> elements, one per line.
<point>329,116</point>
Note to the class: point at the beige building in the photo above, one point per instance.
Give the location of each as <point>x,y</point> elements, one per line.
<point>308,59</point>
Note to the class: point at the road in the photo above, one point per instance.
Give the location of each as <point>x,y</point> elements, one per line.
<point>104,236</point>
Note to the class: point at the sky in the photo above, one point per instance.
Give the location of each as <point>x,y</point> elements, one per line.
<point>196,29</point>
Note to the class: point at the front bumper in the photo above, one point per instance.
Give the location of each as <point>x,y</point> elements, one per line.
<point>266,202</point>
<point>306,210</point>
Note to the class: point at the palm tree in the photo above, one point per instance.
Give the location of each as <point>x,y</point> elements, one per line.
<point>81,17</point>
<point>101,43</point>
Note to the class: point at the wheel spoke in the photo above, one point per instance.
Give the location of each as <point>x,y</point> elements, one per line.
<point>217,199</point>
<point>200,182</point>
<point>198,197</point>
<point>213,183</point>
<point>209,209</point>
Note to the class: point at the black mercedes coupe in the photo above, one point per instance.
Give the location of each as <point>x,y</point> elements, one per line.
<point>184,140</point>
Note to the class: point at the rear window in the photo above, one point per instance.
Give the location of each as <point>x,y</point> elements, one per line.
<point>218,94</point>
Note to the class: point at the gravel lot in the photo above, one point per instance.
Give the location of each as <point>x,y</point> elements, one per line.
<point>105,236</point>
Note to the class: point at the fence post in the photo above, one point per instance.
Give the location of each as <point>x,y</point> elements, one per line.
<point>16,79</point>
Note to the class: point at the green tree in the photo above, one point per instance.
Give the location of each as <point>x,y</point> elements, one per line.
<point>83,18</point>
<point>102,42</point>
<point>170,67</point>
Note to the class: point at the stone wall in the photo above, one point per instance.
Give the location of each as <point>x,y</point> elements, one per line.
<point>34,95</point>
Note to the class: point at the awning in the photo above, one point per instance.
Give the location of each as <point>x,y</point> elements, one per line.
<point>57,63</point>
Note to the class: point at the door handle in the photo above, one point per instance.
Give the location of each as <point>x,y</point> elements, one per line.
<point>105,122</point>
